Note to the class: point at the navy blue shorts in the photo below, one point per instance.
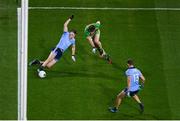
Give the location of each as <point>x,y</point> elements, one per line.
<point>58,53</point>
<point>131,93</point>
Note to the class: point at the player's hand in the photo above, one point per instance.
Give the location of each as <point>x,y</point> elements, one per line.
<point>94,50</point>
<point>73,58</point>
<point>128,94</point>
<point>141,86</point>
<point>98,22</point>
<point>71,17</point>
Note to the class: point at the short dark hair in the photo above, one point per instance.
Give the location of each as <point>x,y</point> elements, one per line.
<point>91,28</point>
<point>74,31</point>
<point>130,62</point>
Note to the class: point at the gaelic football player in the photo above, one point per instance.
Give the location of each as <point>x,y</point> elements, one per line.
<point>92,34</point>
<point>67,39</point>
<point>133,75</point>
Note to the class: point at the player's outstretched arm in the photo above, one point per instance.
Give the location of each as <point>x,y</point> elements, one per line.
<point>67,22</point>
<point>73,49</point>
<point>73,52</point>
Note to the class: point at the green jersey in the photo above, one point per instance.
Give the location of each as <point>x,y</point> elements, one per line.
<point>97,26</point>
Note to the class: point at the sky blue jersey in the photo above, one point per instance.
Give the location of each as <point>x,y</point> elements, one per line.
<point>134,75</point>
<point>65,42</point>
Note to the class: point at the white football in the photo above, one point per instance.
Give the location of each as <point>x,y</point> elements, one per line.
<point>42,74</point>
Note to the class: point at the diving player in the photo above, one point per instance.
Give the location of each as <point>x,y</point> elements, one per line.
<point>67,39</point>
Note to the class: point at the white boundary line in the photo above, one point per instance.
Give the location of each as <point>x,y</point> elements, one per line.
<point>105,8</point>
<point>22,59</point>
<point>19,59</point>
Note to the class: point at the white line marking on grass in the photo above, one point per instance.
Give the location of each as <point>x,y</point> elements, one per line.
<point>105,8</point>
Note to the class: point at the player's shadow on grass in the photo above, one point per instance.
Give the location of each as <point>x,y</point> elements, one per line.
<point>137,115</point>
<point>112,92</point>
<point>118,67</point>
<point>143,116</point>
<point>74,74</point>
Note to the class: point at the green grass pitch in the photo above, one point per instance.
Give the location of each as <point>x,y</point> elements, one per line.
<point>8,60</point>
<point>85,89</point>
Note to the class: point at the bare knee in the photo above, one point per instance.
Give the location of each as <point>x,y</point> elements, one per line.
<point>46,62</point>
<point>121,95</point>
<point>48,65</point>
<point>97,42</point>
<point>51,63</point>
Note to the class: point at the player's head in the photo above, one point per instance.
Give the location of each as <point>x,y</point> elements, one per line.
<point>130,62</point>
<point>72,34</point>
<point>91,28</point>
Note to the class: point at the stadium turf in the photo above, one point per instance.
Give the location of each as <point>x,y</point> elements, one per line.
<point>8,60</point>
<point>85,89</point>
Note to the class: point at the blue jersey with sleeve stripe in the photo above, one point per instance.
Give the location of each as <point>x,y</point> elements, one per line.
<point>65,41</point>
<point>134,75</point>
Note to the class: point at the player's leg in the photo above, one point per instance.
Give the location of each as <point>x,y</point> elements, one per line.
<point>44,63</point>
<point>51,56</point>
<point>96,40</point>
<point>90,40</point>
<point>136,98</point>
<point>97,43</point>
<point>57,54</point>
<point>34,62</point>
<point>118,101</point>
<point>49,59</point>
<point>51,63</point>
